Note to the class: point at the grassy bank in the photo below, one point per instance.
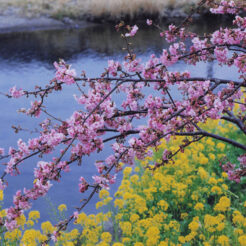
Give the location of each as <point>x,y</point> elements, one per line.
<point>111,9</point>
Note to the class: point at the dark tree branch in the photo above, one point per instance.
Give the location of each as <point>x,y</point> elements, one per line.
<point>232,118</point>
<point>207,134</point>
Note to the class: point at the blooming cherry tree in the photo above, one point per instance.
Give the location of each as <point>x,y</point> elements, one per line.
<point>86,131</point>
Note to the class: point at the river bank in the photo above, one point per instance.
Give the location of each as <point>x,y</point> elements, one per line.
<point>29,15</point>
<point>94,9</point>
<point>15,23</point>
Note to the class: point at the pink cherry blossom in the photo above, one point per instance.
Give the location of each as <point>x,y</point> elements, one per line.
<point>133,31</point>
<point>149,22</point>
<point>64,73</point>
<point>1,151</point>
<point>113,67</point>
<point>16,93</point>
<point>83,185</point>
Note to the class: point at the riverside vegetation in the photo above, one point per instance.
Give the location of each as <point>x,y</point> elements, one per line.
<point>96,9</point>
<point>189,184</point>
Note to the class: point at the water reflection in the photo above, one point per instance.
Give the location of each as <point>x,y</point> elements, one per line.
<point>102,39</point>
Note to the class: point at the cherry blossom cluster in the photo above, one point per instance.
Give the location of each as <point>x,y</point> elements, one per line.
<point>226,7</point>
<point>64,73</point>
<point>235,173</point>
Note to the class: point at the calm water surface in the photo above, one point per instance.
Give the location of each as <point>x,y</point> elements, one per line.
<point>26,60</point>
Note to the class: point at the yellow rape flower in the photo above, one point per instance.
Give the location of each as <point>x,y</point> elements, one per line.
<point>202,237</point>
<point>127,171</point>
<point>224,186</point>
<point>126,240</point>
<point>203,160</point>
<point>199,206</point>
<point>119,203</point>
<point>138,244</point>
<point>221,146</point>
<point>182,239</point>
<point>2,213</point>
<point>224,175</point>
<point>47,227</point>
<point>237,218</point>
<point>202,173</point>
<point>183,215</point>
<point>210,222</point>
<point>174,224</point>
<point>223,240</point>
<point>31,237</point>
<point>194,196</point>
<point>99,204</point>
<point>223,204</point>
<point>127,195</point>
<point>238,231</point>
<point>106,237</point>
<point>118,216</point>
<point>153,231</point>
<point>151,241</point>
<point>213,181</point>
<point>103,244</point>
<point>164,243</point>
<point>91,235</point>
<point>134,218</point>
<point>1,195</point>
<point>190,236</point>
<point>211,156</point>
<point>30,223</point>
<point>34,215</point>
<point>21,220</point>
<point>62,207</point>
<point>68,244</point>
<point>134,178</point>
<point>126,228</point>
<point>163,204</point>
<point>216,189</point>
<point>107,200</point>
<point>81,219</point>
<point>210,142</point>
<point>242,240</point>
<point>12,236</point>
<point>220,226</point>
<point>194,225</point>
<point>103,193</point>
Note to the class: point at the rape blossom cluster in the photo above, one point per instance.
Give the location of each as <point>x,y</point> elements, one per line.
<point>86,131</point>
<point>186,202</point>
<point>178,204</point>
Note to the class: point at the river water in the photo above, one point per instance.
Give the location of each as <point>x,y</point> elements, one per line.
<point>26,60</point>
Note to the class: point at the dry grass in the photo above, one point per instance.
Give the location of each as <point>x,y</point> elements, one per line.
<point>96,8</point>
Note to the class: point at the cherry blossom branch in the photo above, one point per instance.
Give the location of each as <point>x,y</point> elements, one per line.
<point>232,118</point>
<point>169,155</point>
<point>207,134</point>
<point>122,135</point>
<point>63,224</point>
<point>52,116</point>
